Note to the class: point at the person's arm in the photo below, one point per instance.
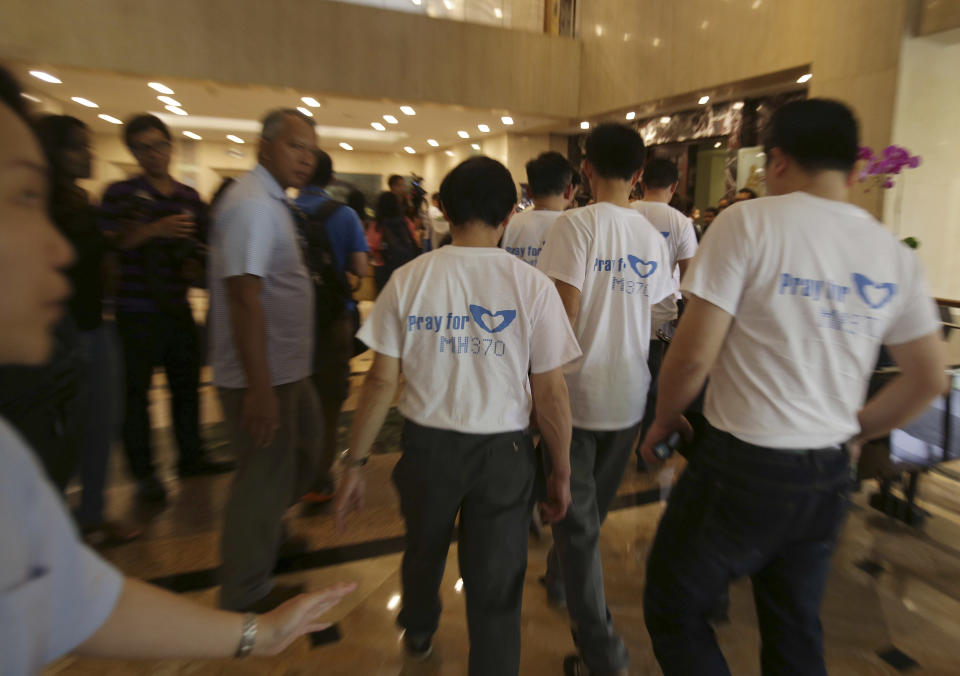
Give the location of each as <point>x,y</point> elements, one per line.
<point>378,392</point>
<point>684,265</point>
<point>922,377</point>
<point>570,297</point>
<point>692,354</point>
<point>357,263</point>
<point>150,623</point>
<point>178,226</point>
<point>552,406</point>
<point>260,408</point>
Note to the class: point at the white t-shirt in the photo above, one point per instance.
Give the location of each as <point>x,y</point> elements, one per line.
<point>467,347</point>
<point>526,233</point>
<point>815,287</point>
<point>438,225</point>
<point>620,264</point>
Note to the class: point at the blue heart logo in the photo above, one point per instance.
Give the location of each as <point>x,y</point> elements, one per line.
<point>635,263</point>
<point>666,235</point>
<point>498,321</point>
<point>873,294</point>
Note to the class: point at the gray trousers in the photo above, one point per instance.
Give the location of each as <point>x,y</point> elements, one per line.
<point>267,482</point>
<point>487,479</point>
<point>597,463</point>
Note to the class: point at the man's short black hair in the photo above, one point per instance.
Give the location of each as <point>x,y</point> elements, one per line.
<point>393,179</point>
<point>615,151</point>
<point>10,95</point>
<point>749,191</point>
<point>323,174</point>
<point>478,189</point>
<point>711,210</point>
<point>820,134</point>
<point>660,173</point>
<point>549,174</point>
<point>141,123</point>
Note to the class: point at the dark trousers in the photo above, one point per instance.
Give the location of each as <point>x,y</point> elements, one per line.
<point>487,480</point>
<point>167,339</point>
<point>597,463</point>
<point>739,509</point>
<point>333,349</point>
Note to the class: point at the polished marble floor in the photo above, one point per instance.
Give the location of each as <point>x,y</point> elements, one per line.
<point>894,592</point>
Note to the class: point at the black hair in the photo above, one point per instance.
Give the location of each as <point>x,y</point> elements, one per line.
<point>615,151</point>
<point>820,134</point>
<point>357,202</point>
<point>141,123</point>
<point>749,191</point>
<point>478,189</point>
<point>10,95</point>
<point>393,179</point>
<point>549,174</point>
<point>711,210</point>
<point>53,130</point>
<point>660,173</point>
<point>323,174</point>
<point>387,207</point>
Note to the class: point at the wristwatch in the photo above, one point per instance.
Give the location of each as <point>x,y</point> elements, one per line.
<point>248,637</point>
<point>349,461</point>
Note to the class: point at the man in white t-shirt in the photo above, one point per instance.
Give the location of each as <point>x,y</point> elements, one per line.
<point>439,228</point>
<point>550,177</point>
<point>790,300</point>
<point>610,266</point>
<point>469,353</point>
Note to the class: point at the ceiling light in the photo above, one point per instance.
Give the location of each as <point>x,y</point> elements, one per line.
<point>46,77</point>
<point>346,146</point>
<point>507,120</point>
<point>305,111</point>
<point>804,78</point>
<point>704,25</point>
<point>475,146</point>
<point>407,110</point>
<point>84,102</point>
<point>194,136</point>
<point>394,602</point>
<point>109,118</point>
<point>169,101</point>
<point>717,144</point>
<point>703,100</point>
<point>175,110</point>
<point>378,126</point>
<point>391,119</point>
<point>432,142</point>
<point>310,101</point>
<point>665,119</point>
<point>448,153</point>
<point>448,4</point>
<point>235,139</point>
<point>417,2</point>
<point>30,97</point>
<point>584,125</point>
<point>656,42</point>
<point>410,150</point>
<point>162,88</point>
<point>484,128</point>
<point>463,134</point>
<point>497,12</point>
<point>631,115</point>
<point>458,585</point>
<point>737,105</point>
<point>756,4</point>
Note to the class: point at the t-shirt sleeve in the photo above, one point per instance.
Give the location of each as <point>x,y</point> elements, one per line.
<point>918,315</point>
<point>661,284</point>
<point>383,330</point>
<point>686,240</point>
<point>357,241</point>
<point>247,240</point>
<point>552,341</point>
<point>564,254</point>
<point>720,271</point>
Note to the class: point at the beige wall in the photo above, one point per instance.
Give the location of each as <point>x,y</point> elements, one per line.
<point>925,203</point>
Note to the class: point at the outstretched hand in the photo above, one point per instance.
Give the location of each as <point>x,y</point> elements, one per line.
<point>288,622</point>
<point>351,496</point>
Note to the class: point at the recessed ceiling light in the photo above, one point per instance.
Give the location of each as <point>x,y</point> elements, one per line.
<point>310,101</point>
<point>483,128</point>
<point>475,146</point>
<point>84,102</point>
<point>656,42</point>
<point>804,78</point>
<point>717,144</point>
<point>432,142</point>
<point>46,77</point>
<point>738,105</point>
<point>235,139</point>
<point>170,101</point>
<point>391,119</point>
<point>109,118</point>
<point>631,115</point>
<point>407,110</point>
<point>756,4</point>
<point>378,126</point>
<point>448,4</point>
<point>665,119</point>
<point>175,110</point>
<point>449,153</point>
<point>463,134</point>
<point>507,120</point>
<point>160,87</point>
<point>410,150</point>
<point>417,2</point>
<point>497,12</point>
<point>346,146</point>
<point>703,100</point>
<point>194,136</point>
<point>30,97</point>
<point>584,125</point>
<point>704,25</point>
<point>305,111</point>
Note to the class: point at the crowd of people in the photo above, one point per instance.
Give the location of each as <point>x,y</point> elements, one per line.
<point>533,369</point>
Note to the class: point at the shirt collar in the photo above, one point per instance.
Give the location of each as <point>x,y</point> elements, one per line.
<point>269,183</point>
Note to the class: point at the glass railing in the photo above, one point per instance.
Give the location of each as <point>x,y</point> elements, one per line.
<point>524,15</point>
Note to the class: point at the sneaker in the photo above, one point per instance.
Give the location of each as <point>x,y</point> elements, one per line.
<point>323,492</point>
<point>205,467</point>
<point>280,594</point>
<point>151,490</point>
<point>557,598</point>
<point>417,649</point>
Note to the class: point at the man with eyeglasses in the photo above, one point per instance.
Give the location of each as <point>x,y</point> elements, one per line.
<point>153,220</point>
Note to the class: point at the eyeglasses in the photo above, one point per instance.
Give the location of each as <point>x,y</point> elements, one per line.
<point>160,147</point>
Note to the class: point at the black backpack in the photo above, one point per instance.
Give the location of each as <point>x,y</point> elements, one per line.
<point>331,291</point>
<point>398,246</point>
